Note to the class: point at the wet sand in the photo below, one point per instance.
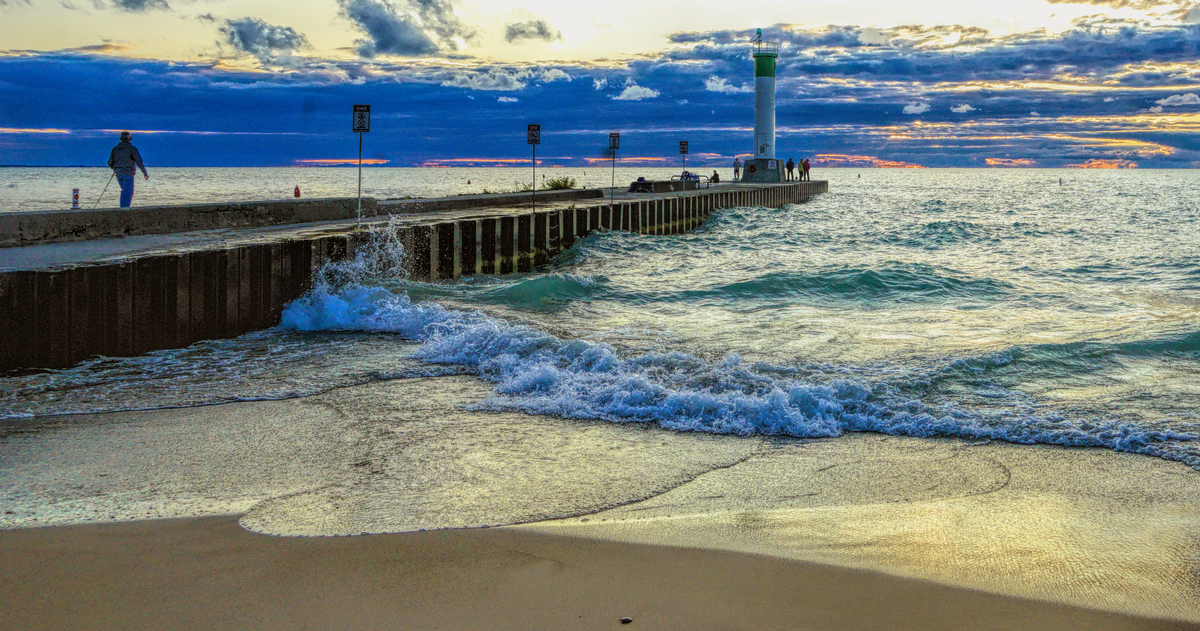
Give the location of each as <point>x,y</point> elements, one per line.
<point>208,573</point>
<point>688,531</point>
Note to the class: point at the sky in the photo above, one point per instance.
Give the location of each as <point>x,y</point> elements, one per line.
<point>862,83</point>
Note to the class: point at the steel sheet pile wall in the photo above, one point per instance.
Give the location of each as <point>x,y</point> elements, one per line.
<point>54,319</point>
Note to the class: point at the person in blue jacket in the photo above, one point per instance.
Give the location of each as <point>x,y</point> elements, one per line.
<point>125,160</point>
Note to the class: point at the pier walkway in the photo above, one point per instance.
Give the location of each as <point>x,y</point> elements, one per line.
<point>64,300</point>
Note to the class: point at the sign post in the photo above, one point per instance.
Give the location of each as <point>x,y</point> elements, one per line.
<point>683,150</point>
<point>361,124</point>
<point>533,136</point>
<point>614,143</point>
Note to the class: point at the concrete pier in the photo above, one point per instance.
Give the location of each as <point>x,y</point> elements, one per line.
<point>61,303</point>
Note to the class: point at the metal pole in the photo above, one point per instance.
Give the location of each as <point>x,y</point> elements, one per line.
<point>533,193</point>
<point>359,224</point>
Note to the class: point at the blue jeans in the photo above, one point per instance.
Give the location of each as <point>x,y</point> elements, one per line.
<point>126,182</point>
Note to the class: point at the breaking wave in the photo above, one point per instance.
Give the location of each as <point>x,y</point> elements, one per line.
<point>538,373</point>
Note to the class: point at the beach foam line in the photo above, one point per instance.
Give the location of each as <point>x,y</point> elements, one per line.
<point>537,373</point>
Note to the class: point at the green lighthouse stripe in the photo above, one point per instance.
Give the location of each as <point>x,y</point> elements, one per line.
<point>764,66</point>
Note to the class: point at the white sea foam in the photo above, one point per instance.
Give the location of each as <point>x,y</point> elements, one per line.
<point>537,373</point>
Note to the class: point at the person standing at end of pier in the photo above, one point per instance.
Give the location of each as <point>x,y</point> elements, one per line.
<point>804,167</point>
<point>737,168</point>
<point>125,160</point>
<point>791,167</point>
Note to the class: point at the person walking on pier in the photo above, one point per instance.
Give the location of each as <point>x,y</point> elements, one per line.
<point>791,167</point>
<point>125,160</point>
<point>737,168</point>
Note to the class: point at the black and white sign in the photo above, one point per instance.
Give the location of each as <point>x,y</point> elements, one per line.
<point>534,136</point>
<point>614,142</point>
<point>362,119</point>
<point>683,146</point>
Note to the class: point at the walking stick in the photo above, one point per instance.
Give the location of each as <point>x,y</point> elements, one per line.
<point>110,179</point>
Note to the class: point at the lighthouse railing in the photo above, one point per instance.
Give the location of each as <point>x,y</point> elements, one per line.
<point>766,48</point>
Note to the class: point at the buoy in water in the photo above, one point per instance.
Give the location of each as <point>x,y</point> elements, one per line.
<point>297,191</point>
<point>468,182</point>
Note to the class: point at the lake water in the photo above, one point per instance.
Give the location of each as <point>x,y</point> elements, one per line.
<point>985,304</point>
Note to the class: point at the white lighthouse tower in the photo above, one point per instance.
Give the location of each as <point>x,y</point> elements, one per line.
<point>763,167</point>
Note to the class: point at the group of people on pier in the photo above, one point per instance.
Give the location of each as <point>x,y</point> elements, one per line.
<point>795,172</point>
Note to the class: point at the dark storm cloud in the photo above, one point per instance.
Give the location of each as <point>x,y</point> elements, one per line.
<point>531,29</point>
<point>389,32</point>
<point>439,17</point>
<point>268,42</point>
<point>415,27</point>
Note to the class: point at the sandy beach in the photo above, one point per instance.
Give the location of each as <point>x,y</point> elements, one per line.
<point>675,530</point>
<point>208,573</point>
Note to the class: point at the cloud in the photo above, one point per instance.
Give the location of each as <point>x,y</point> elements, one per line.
<point>1093,50</point>
<point>961,109</point>
<point>1109,99</point>
<point>507,99</point>
<point>719,84</point>
<point>682,101</point>
<point>490,80</point>
<point>1157,109</point>
<point>1141,5</point>
<point>1034,113</point>
<point>1103,164</point>
<point>406,28</point>
<point>269,43</point>
<point>207,17</point>
<point>505,79</point>
<point>1180,99</point>
<point>554,74</point>
<point>531,29</point>
<point>141,5</point>
<point>635,93</point>
<point>916,107</point>
<point>105,48</point>
<point>851,105</point>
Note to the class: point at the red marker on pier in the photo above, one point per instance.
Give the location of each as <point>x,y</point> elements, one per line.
<point>297,191</point>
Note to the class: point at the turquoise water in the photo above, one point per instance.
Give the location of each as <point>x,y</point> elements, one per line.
<point>985,304</point>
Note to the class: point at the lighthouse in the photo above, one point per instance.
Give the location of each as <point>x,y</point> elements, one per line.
<point>763,167</point>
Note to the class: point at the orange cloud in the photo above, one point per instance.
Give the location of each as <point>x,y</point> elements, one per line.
<point>1009,162</point>
<point>19,130</point>
<point>1103,164</point>
<point>843,160</point>
<point>476,162</point>
<point>326,162</point>
<point>643,161</point>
